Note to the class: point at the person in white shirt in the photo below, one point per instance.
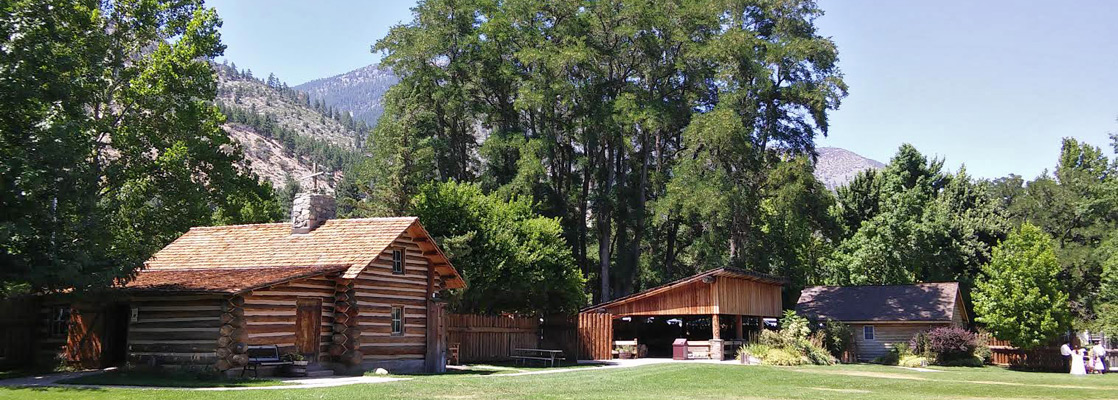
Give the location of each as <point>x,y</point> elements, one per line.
<point>1102,365</point>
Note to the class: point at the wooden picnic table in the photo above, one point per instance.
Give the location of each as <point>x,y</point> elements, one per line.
<point>546,355</point>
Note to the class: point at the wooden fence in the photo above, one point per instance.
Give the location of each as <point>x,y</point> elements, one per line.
<point>1046,358</point>
<point>491,338</point>
<point>17,331</point>
<point>595,336</point>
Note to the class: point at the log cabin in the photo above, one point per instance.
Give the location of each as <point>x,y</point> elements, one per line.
<point>881,316</point>
<point>347,294</point>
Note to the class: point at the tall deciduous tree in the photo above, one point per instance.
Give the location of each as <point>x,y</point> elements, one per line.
<point>1020,297</point>
<point>583,105</point>
<point>109,143</point>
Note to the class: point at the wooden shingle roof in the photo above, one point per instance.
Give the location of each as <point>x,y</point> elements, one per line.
<point>922,302</point>
<point>221,280</point>
<point>350,243</point>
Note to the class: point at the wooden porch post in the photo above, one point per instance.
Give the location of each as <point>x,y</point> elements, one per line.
<point>433,362</point>
<point>715,327</point>
<point>716,344</point>
<point>738,330</point>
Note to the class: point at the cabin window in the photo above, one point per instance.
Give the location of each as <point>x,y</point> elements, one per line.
<point>867,332</point>
<point>398,261</point>
<point>59,321</point>
<point>397,320</point>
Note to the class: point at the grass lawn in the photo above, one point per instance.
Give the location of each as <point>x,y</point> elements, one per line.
<point>142,378</point>
<point>673,381</point>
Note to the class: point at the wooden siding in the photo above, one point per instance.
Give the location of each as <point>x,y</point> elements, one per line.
<point>378,290</point>
<point>270,313</point>
<point>736,296</point>
<point>595,336</point>
<point>885,335</point>
<point>174,330</point>
<point>691,299</point>
<point>491,338</point>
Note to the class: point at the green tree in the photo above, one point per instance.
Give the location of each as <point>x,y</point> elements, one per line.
<point>1020,297</point>
<point>110,146</point>
<point>926,226</point>
<point>514,260</point>
<point>584,105</point>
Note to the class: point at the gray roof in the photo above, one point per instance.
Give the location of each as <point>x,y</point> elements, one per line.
<point>900,303</point>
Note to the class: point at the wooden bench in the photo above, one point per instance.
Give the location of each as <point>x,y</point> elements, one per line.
<point>266,355</point>
<point>618,344</point>
<point>698,350</point>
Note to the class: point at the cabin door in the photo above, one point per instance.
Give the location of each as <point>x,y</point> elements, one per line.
<point>308,326</point>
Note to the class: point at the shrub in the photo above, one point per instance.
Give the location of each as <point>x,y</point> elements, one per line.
<point>815,353</point>
<point>951,343</point>
<point>793,345</point>
<point>982,349</point>
<point>895,354</point>
<point>782,357</point>
<point>968,361</point>
<point>920,344</point>
<point>794,327</point>
<point>890,358</point>
<point>838,337</point>
<point>913,361</point>
<point>753,349</point>
<point>771,339</point>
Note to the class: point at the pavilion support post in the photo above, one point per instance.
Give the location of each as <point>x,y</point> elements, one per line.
<point>716,346</point>
<point>738,328</point>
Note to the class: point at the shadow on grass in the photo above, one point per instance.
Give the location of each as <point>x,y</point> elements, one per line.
<point>165,379</point>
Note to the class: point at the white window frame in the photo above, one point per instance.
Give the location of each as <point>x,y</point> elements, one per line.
<point>398,261</point>
<point>397,316</point>
<point>59,325</point>
<point>869,332</point>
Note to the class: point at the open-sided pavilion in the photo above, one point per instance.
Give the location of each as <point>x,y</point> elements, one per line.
<point>720,306</point>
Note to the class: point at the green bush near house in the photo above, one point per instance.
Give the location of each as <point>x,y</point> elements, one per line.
<point>794,344</point>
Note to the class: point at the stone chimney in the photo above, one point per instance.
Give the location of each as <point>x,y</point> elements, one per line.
<point>310,210</point>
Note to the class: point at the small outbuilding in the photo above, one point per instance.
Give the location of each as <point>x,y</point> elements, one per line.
<point>716,309</point>
<point>881,316</point>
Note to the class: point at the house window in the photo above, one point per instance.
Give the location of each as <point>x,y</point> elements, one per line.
<point>397,320</point>
<point>398,261</point>
<point>59,321</point>
<point>867,332</point>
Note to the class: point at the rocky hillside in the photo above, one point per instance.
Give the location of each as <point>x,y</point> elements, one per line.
<point>836,167</point>
<point>283,134</point>
<point>359,91</point>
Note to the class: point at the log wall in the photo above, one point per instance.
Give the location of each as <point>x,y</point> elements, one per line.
<point>175,330</point>
<point>377,290</point>
<point>269,314</point>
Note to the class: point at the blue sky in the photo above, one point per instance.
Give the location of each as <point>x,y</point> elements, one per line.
<point>991,84</point>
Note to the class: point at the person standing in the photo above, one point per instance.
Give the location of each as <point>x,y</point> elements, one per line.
<point>1101,363</point>
<point>1065,350</point>
<point>1077,365</point>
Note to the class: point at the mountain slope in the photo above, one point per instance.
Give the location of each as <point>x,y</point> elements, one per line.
<point>836,166</point>
<point>359,91</point>
<point>281,134</point>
